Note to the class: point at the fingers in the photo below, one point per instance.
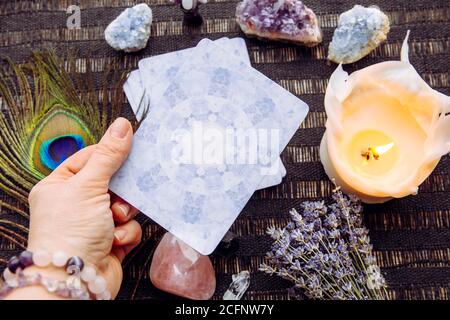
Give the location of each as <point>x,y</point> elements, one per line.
<point>122,211</point>
<point>126,238</point>
<point>127,234</point>
<point>75,163</point>
<point>109,153</point>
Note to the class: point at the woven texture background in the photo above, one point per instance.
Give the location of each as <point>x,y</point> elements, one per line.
<point>411,236</point>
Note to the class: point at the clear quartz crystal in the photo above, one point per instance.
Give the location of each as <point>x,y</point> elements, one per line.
<point>34,278</point>
<point>79,294</point>
<point>238,287</point>
<point>73,282</point>
<point>51,284</point>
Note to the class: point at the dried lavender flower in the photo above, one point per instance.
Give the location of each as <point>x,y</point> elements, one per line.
<point>325,252</point>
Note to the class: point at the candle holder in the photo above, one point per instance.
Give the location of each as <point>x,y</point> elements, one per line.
<point>386,131</point>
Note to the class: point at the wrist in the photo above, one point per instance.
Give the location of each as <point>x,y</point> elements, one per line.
<point>29,275</point>
<point>50,272</point>
<point>36,291</point>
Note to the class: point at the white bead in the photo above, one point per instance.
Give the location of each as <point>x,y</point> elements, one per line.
<point>105,295</point>
<point>73,282</point>
<point>41,258</point>
<point>50,284</point>
<point>85,296</point>
<point>88,274</point>
<point>8,275</point>
<point>98,285</point>
<point>60,259</point>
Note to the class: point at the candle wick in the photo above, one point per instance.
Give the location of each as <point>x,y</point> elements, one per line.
<point>370,153</point>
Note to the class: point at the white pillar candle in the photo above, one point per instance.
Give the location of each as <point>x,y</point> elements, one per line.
<point>386,130</point>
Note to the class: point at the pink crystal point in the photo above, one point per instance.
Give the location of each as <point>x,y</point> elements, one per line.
<point>178,269</point>
<point>283,20</point>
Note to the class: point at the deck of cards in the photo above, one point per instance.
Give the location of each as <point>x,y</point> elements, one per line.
<point>213,135</point>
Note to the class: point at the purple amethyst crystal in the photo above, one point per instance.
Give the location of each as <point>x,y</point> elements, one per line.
<point>285,20</point>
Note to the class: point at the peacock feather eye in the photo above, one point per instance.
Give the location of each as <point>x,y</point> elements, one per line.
<point>57,135</point>
<point>55,151</point>
<point>47,114</point>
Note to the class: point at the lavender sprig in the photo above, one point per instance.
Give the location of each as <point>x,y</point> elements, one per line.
<point>326,252</point>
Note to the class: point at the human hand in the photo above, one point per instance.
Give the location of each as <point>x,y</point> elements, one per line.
<point>72,210</point>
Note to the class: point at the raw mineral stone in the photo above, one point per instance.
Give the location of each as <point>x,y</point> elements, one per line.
<point>284,20</point>
<point>178,269</point>
<point>130,31</point>
<point>360,30</point>
<point>238,287</point>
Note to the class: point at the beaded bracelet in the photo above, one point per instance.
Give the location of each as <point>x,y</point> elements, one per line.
<point>79,274</point>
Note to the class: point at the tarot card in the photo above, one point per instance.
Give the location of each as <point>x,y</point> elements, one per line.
<point>196,200</point>
<point>156,70</point>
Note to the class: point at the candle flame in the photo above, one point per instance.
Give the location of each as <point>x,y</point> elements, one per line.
<point>383,149</point>
<point>376,152</point>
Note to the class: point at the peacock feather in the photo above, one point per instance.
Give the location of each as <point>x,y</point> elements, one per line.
<point>49,112</point>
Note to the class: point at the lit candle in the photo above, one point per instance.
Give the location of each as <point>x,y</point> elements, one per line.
<point>386,130</point>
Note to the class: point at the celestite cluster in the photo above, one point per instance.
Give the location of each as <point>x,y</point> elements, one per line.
<point>360,30</point>
<point>130,31</point>
<point>286,20</point>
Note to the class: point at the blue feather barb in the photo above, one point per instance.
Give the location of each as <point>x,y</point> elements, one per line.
<point>53,152</point>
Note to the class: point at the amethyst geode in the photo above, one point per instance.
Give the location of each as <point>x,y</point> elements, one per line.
<point>285,20</point>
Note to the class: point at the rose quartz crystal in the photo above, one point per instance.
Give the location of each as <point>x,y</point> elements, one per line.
<point>178,269</point>
<point>285,20</point>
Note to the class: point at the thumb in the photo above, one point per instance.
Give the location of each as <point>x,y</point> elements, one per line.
<point>109,153</point>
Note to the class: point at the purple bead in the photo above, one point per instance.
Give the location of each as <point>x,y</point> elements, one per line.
<point>26,259</point>
<point>14,264</point>
<point>74,265</point>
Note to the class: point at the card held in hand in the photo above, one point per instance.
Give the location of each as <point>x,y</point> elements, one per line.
<point>183,171</point>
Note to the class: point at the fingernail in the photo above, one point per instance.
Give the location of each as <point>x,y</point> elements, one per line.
<point>125,209</point>
<point>120,234</point>
<point>119,128</point>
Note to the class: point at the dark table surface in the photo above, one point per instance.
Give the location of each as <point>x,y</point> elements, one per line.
<point>411,236</point>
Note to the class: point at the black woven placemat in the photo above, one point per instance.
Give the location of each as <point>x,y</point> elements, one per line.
<point>411,236</point>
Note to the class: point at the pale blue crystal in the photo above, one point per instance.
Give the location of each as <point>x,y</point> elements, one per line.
<point>360,30</point>
<point>130,31</point>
